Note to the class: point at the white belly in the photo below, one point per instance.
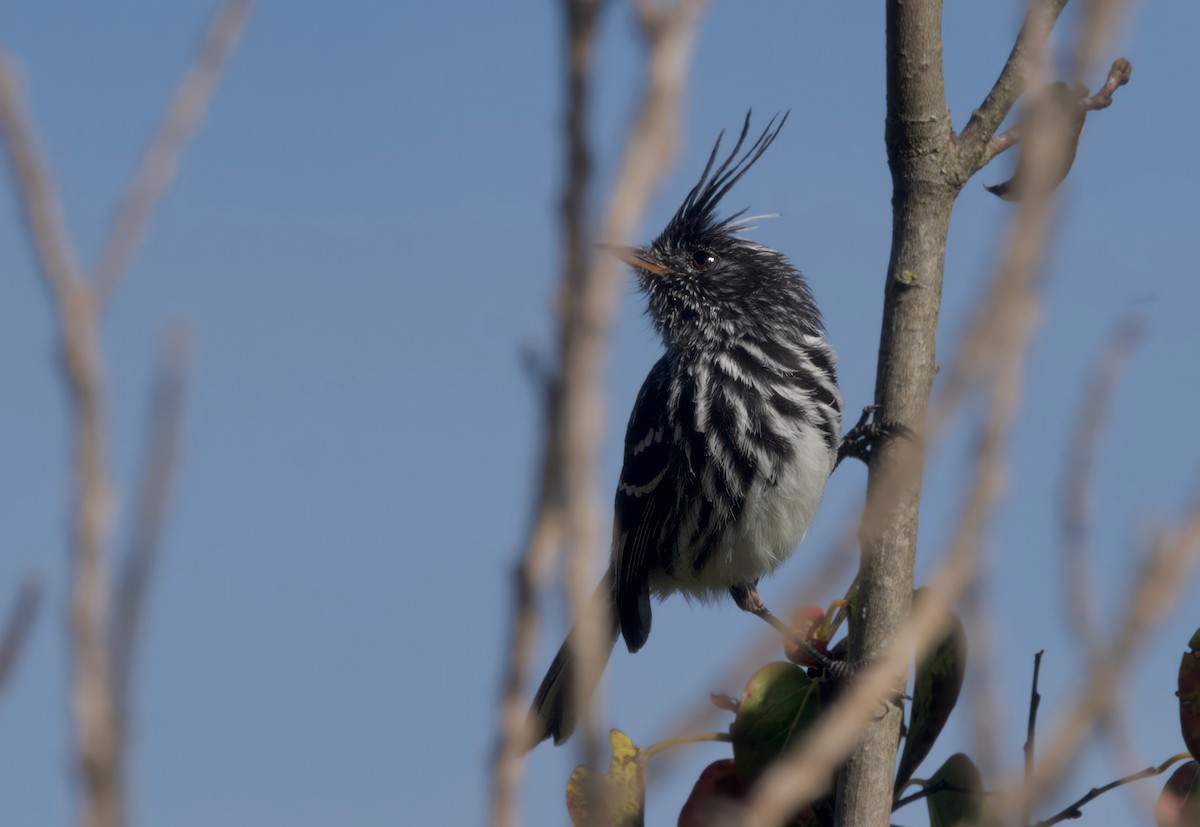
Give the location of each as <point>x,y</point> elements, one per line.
<point>773,522</point>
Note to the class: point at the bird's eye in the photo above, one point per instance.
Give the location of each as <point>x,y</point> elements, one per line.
<point>703,259</point>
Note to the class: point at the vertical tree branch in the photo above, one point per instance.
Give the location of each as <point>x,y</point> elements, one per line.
<point>919,137</point>
<point>95,714</point>
<point>929,166</point>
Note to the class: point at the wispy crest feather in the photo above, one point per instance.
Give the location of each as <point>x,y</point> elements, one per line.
<point>697,213</point>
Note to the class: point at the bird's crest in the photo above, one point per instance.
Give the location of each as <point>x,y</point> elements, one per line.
<point>696,216</point>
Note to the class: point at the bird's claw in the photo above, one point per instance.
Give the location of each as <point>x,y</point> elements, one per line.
<point>844,671</point>
<point>861,440</point>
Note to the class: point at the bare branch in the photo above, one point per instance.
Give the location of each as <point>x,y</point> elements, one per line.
<point>547,526</point>
<point>1118,76</point>
<point>100,747</point>
<point>98,738</point>
<point>919,136</point>
<point>1035,701</point>
<point>1004,141</point>
<point>973,140</point>
<point>567,511</point>
<point>16,630</point>
<point>1162,578</point>
<point>1077,482</point>
<point>161,159</point>
<point>804,773</point>
<point>1011,307</point>
<point>1074,810</point>
<point>669,32</point>
<point>37,200</point>
<point>158,475</point>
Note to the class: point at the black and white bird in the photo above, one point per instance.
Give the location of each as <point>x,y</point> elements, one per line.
<point>735,430</point>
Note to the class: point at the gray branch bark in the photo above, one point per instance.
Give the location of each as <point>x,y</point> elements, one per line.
<point>929,166</point>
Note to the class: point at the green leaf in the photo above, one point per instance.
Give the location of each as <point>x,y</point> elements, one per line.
<point>618,797</point>
<point>939,680</point>
<point>1189,696</point>
<point>1178,804</point>
<point>960,802</point>
<point>780,702</point>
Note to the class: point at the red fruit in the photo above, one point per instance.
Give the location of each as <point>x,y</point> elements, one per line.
<point>802,656</point>
<point>720,783</point>
<point>807,618</point>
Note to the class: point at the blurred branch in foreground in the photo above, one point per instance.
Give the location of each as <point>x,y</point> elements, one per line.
<point>101,674</point>
<point>566,511</point>
<point>158,476</point>
<point>16,630</point>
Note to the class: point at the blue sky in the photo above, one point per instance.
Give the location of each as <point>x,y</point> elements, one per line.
<point>362,237</point>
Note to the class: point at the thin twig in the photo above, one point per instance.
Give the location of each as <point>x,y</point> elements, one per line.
<point>158,475</point>
<point>1074,810</point>
<point>158,164</point>
<point>16,630</point>
<point>974,139</point>
<point>667,743</point>
<point>1161,580</point>
<point>1118,76</point>
<point>1004,141</point>
<point>1035,700</point>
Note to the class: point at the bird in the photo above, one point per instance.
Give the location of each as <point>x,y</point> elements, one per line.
<point>733,434</point>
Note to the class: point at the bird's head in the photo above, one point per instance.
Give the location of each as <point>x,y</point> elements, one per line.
<point>705,284</point>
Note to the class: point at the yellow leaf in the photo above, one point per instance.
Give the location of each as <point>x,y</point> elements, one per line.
<point>615,799</point>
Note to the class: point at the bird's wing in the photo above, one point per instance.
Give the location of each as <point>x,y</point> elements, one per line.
<point>645,499</point>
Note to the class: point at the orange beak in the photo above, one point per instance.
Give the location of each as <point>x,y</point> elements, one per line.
<point>634,259</point>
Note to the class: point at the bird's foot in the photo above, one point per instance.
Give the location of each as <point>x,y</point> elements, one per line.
<point>747,598</point>
<point>860,441</point>
<point>843,672</point>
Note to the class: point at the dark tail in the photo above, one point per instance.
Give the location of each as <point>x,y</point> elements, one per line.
<point>553,713</point>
